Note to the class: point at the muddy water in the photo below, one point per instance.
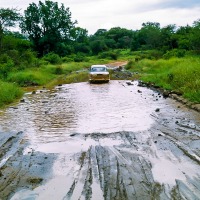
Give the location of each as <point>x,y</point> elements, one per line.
<point>99,141</point>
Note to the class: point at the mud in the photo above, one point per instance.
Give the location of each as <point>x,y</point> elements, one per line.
<point>99,141</point>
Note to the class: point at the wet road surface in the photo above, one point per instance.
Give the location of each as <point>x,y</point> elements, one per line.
<point>99,141</point>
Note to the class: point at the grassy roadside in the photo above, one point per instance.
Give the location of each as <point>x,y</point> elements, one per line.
<point>9,92</point>
<point>179,74</point>
<point>48,75</point>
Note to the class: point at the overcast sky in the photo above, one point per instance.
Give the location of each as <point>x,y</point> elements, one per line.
<point>130,14</point>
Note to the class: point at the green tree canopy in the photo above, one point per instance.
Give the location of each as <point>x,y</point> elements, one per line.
<point>195,36</point>
<point>47,25</point>
<point>150,35</point>
<point>8,18</point>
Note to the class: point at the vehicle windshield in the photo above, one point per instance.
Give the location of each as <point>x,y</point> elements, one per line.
<point>98,69</point>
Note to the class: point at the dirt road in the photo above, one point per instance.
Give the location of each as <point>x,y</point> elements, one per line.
<point>101,141</point>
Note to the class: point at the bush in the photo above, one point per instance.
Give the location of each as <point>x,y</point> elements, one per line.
<point>6,65</point>
<point>8,93</point>
<point>129,65</point>
<point>58,70</point>
<point>30,77</point>
<point>179,74</point>
<point>28,57</point>
<point>52,58</point>
<point>79,58</point>
<point>111,55</point>
<point>67,59</point>
<point>179,53</point>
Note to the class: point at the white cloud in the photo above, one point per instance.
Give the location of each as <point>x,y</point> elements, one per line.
<point>95,14</point>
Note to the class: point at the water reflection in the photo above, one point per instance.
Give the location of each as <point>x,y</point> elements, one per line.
<point>79,108</point>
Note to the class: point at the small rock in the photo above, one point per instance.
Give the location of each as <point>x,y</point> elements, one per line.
<point>155,142</point>
<point>157,110</point>
<point>159,134</point>
<point>22,100</point>
<point>129,83</point>
<point>44,101</point>
<point>13,107</point>
<point>141,84</point>
<point>35,180</point>
<point>166,94</point>
<point>139,91</point>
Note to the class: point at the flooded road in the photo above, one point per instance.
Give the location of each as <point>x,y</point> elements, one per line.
<point>99,141</point>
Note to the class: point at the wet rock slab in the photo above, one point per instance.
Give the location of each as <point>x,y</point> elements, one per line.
<point>99,141</point>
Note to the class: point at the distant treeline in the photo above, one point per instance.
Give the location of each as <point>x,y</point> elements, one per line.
<point>47,28</point>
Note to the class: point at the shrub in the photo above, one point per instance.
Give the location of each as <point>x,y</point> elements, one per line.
<point>6,65</point>
<point>108,54</point>
<point>79,58</point>
<point>30,77</point>
<point>129,65</point>
<point>179,53</point>
<point>58,70</point>
<point>8,93</point>
<point>67,59</point>
<point>52,58</point>
<point>180,74</point>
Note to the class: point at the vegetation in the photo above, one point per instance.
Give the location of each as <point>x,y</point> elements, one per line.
<point>50,47</point>
<point>8,93</point>
<point>48,26</point>
<point>178,74</point>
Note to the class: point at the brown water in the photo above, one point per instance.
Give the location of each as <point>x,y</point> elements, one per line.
<point>101,141</point>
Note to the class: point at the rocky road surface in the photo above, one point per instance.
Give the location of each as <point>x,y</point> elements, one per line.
<point>113,141</point>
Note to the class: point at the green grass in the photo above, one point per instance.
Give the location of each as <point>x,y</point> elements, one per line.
<point>30,77</point>
<point>74,77</point>
<point>181,74</point>
<point>9,93</point>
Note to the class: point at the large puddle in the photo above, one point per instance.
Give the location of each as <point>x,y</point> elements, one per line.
<point>111,141</point>
<point>50,116</point>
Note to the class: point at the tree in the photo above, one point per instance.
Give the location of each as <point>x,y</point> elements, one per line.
<point>183,37</point>
<point>8,18</point>
<point>100,32</point>
<point>195,36</point>
<point>98,46</point>
<point>47,25</point>
<point>122,37</point>
<point>150,35</point>
<point>80,35</point>
<point>168,40</point>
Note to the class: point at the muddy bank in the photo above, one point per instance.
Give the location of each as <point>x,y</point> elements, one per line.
<point>99,141</point>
